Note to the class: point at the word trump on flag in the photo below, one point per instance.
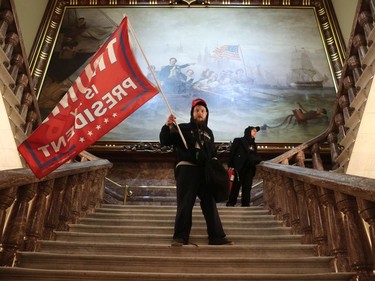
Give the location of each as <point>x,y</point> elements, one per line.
<point>109,89</point>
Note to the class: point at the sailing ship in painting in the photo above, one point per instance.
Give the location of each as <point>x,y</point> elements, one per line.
<point>303,74</point>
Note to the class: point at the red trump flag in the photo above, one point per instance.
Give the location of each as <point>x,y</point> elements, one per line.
<point>109,89</point>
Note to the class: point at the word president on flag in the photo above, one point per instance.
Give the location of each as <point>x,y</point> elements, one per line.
<point>109,89</point>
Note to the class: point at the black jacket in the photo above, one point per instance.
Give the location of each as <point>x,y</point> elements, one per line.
<point>241,156</point>
<point>193,154</point>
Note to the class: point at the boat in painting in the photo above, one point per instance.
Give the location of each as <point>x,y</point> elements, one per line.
<point>303,74</point>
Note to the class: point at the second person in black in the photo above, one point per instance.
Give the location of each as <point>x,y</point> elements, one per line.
<point>243,157</point>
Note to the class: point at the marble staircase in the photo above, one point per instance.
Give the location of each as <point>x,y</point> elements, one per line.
<point>133,243</point>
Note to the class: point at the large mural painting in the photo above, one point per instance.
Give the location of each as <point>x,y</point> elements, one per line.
<point>266,67</point>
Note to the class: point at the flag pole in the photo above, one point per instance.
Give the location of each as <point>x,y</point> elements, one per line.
<point>243,61</point>
<point>157,82</point>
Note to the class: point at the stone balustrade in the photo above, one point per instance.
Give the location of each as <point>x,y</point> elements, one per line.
<point>335,212</point>
<point>358,78</point>
<point>32,209</point>
<point>16,90</point>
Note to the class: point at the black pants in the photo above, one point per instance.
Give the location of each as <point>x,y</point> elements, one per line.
<point>244,180</point>
<point>190,183</point>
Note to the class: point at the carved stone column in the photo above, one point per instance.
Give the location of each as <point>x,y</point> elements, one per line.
<point>15,65</point>
<point>26,102</point>
<point>334,149</point>
<point>319,233</point>
<point>360,43</point>
<point>300,158</point>
<point>101,185</point>
<point>367,212</point>
<point>53,212</point>
<point>365,20</point>
<point>31,119</point>
<point>7,197</point>
<point>316,159</point>
<point>293,217</point>
<point>11,42</point>
<point>36,216</point>
<point>285,203</point>
<point>348,82</point>
<point>339,122</point>
<point>359,252</point>
<point>344,105</point>
<point>304,217</point>
<point>65,214</point>
<point>335,231</point>
<point>77,199</point>
<point>355,66</point>
<point>372,7</point>
<point>86,187</point>
<point>6,18</point>
<point>15,230</point>
<point>279,197</point>
<point>268,191</point>
<point>94,189</point>
<point>21,84</point>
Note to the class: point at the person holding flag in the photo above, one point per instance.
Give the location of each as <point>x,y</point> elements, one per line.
<point>190,173</point>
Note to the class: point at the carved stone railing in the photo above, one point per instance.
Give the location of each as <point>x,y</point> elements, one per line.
<point>357,79</point>
<point>15,78</point>
<point>32,208</point>
<point>334,211</point>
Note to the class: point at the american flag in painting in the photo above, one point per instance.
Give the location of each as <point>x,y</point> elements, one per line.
<point>228,51</point>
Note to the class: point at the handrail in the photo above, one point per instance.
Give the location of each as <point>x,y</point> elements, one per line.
<point>24,176</point>
<point>359,187</point>
<point>257,184</point>
<point>127,192</point>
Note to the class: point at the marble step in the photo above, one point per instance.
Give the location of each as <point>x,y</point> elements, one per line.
<point>152,191</point>
<point>256,250</point>
<point>120,211</point>
<point>173,263</point>
<point>170,222</point>
<point>172,209</point>
<point>152,201</point>
<point>26,274</point>
<point>171,216</point>
<point>169,229</point>
<point>145,238</point>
